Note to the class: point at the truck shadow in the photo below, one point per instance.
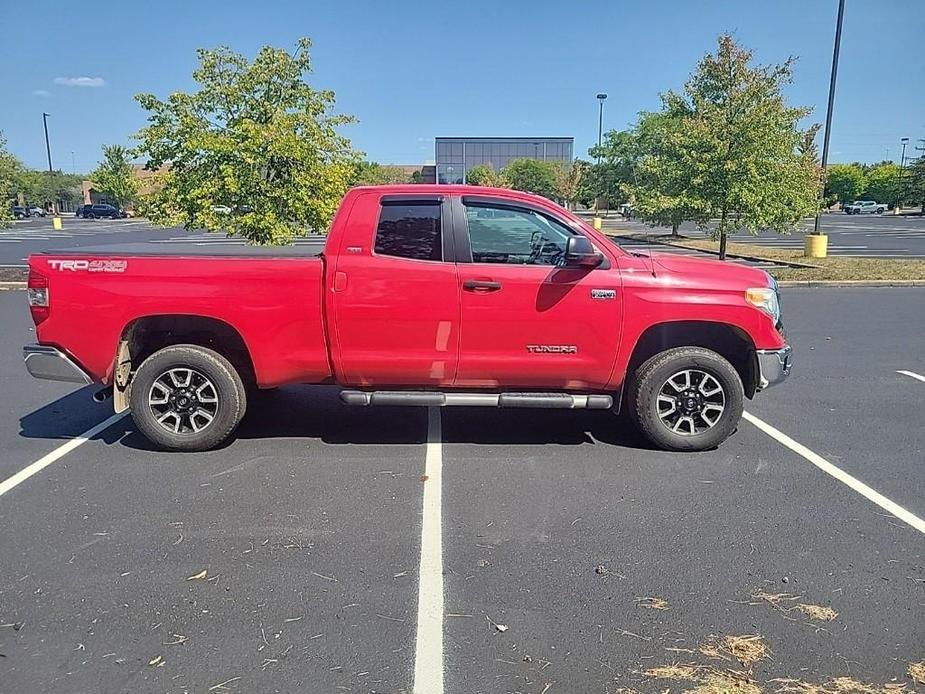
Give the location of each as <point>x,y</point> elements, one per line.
<point>315,412</point>
<point>66,417</point>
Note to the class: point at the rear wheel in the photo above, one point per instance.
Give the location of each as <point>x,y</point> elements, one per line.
<point>187,398</point>
<point>686,399</point>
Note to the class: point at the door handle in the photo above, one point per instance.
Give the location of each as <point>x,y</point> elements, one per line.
<point>481,286</point>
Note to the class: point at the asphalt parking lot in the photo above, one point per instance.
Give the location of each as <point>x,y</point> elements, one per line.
<point>570,557</point>
<point>862,236</point>
<point>36,235</point>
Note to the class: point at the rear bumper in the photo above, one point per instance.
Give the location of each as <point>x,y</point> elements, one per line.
<point>53,365</point>
<point>773,366</point>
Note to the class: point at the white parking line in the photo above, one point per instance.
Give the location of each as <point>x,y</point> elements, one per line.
<point>428,652</point>
<point>839,474</point>
<point>920,377</point>
<point>43,462</point>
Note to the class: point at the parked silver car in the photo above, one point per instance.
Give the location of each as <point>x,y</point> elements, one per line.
<point>865,207</point>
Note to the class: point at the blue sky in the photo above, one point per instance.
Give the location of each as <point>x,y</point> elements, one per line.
<point>414,70</point>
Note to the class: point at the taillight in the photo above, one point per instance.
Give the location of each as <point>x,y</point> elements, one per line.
<point>37,290</point>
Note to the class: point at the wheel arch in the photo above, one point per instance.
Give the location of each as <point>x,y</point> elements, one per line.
<point>729,341</point>
<point>145,335</point>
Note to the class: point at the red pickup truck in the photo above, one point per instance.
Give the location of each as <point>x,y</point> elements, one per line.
<point>433,295</point>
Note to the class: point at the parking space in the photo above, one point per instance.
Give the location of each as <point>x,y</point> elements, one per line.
<point>572,556</point>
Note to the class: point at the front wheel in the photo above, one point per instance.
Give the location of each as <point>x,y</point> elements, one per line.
<point>686,399</point>
<point>187,398</point>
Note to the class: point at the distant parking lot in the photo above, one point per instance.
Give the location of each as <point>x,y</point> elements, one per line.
<point>862,236</point>
<point>866,236</point>
<point>574,557</point>
<point>35,235</point>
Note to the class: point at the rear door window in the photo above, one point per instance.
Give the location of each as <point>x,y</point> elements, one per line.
<point>410,230</point>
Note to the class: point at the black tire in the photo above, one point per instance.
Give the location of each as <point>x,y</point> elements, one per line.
<point>652,377</point>
<point>229,393</point>
<point>89,215</point>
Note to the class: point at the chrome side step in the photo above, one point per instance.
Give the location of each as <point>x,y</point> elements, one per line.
<point>565,401</point>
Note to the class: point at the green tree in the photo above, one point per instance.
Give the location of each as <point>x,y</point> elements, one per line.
<point>661,186</point>
<point>114,177</point>
<point>532,176</point>
<point>371,173</point>
<point>614,171</point>
<point>844,182</point>
<point>10,169</point>
<point>737,143</point>
<point>883,183</point>
<point>570,179</point>
<point>484,175</point>
<point>47,187</point>
<point>587,187</point>
<point>255,137</point>
<point>913,186</point>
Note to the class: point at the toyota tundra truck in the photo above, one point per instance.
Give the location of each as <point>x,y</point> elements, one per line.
<point>422,295</point>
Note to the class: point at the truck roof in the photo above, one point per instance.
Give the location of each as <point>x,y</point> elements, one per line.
<point>450,189</point>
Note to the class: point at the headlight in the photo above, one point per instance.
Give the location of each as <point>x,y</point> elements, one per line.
<point>764,298</point>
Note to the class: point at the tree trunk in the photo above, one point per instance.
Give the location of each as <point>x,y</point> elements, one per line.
<point>674,230</point>
<point>722,236</point>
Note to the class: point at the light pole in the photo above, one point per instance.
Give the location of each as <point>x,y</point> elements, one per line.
<point>600,124</point>
<point>47,146</point>
<point>902,166</point>
<point>828,113</point>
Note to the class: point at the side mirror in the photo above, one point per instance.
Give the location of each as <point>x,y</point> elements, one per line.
<point>579,252</point>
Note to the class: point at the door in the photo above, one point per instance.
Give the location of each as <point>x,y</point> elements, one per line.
<point>396,295</point>
<point>526,320</point>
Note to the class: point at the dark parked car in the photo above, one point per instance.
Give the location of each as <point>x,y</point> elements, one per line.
<point>100,211</point>
<point>20,212</point>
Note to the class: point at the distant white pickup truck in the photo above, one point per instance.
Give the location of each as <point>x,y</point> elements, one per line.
<point>865,207</point>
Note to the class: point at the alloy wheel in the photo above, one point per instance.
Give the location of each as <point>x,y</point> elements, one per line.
<point>690,402</point>
<point>183,400</point>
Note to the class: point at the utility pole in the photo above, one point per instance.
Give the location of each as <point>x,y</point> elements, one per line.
<point>828,113</point>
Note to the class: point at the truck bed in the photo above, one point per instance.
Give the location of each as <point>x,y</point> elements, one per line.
<point>270,296</point>
<point>305,248</point>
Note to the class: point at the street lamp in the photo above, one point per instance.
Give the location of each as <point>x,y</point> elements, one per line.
<point>600,124</point>
<point>902,166</point>
<point>828,113</point>
<point>601,96</point>
<point>47,146</point>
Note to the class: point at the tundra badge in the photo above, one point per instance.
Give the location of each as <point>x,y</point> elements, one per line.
<point>552,349</point>
<point>603,293</point>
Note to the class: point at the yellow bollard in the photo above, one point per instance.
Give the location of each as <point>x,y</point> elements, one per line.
<point>597,223</point>
<point>57,223</point>
<point>815,245</point>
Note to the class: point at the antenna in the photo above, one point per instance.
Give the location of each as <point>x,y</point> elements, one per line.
<point>648,241</point>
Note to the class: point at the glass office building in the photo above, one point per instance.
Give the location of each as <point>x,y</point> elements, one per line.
<point>456,155</point>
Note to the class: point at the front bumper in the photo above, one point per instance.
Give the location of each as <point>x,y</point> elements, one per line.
<point>53,365</point>
<point>773,366</point>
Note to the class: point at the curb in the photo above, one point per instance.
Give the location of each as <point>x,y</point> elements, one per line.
<point>12,285</point>
<point>851,283</point>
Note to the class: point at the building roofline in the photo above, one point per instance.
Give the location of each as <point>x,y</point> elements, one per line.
<point>524,139</point>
